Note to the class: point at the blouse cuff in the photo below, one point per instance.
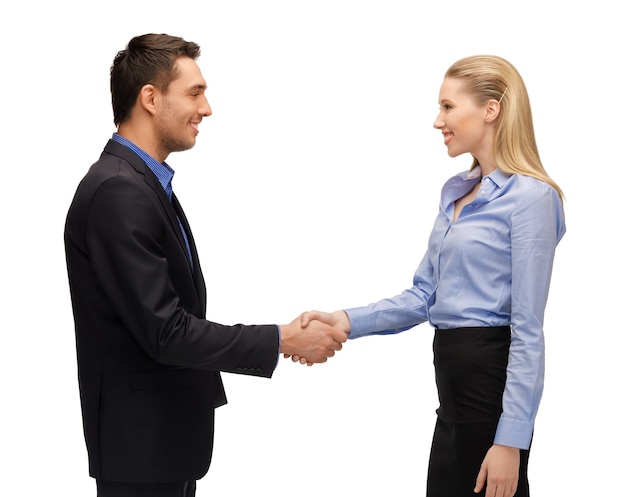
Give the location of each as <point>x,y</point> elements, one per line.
<point>514,433</point>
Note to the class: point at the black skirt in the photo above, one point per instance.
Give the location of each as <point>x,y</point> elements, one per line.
<point>470,371</point>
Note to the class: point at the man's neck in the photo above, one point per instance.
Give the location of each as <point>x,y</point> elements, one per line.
<point>142,140</point>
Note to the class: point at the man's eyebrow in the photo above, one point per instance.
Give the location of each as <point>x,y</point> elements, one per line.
<point>198,87</point>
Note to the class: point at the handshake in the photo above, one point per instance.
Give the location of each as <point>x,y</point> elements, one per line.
<point>314,336</point>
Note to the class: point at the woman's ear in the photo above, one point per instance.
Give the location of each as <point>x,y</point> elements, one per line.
<point>492,111</point>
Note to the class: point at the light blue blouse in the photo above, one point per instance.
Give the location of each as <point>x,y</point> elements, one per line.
<point>491,267</point>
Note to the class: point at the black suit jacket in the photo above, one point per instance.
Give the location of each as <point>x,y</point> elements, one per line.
<point>148,360</point>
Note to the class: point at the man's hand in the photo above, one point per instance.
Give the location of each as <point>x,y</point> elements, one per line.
<point>338,320</point>
<point>316,341</point>
<point>500,469</point>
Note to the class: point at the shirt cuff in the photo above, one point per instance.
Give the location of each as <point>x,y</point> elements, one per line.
<point>360,321</point>
<point>514,433</point>
<point>278,358</point>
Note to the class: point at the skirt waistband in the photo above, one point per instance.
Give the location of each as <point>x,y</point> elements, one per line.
<point>474,328</point>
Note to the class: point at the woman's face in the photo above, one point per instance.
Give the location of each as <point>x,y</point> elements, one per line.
<point>465,125</point>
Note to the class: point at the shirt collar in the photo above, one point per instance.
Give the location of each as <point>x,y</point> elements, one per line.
<point>161,170</point>
<point>498,177</point>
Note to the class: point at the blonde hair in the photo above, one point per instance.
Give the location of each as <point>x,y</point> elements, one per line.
<point>490,77</point>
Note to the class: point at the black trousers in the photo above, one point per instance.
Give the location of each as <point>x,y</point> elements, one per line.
<point>117,489</point>
<point>470,370</point>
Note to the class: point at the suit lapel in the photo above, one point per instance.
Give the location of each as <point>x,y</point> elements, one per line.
<point>173,210</point>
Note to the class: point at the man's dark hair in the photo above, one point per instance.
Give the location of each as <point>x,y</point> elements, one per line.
<point>147,59</point>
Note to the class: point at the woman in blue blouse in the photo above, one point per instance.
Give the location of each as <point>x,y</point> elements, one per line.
<point>483,285</point>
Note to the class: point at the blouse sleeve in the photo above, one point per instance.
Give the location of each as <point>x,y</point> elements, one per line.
<point>395,314</point>
<point>537,225</point>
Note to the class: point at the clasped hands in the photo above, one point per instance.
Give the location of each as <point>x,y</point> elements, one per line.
<point>314,336</point>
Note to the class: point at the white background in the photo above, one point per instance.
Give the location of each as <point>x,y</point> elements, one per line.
<point>314,185</point>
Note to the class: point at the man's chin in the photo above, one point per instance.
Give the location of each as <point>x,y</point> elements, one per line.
<point>181,147</point>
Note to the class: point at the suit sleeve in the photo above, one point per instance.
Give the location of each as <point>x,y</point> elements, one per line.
<point>130,245</point>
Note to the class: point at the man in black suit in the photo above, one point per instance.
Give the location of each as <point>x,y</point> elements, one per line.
<point>148,361</point>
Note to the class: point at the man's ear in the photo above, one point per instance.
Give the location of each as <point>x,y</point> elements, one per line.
<point>492,111</point>
<point>148,96</point>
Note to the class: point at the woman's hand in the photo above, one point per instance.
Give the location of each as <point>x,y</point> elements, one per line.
<point>338,320</point>
<point>500,471</point>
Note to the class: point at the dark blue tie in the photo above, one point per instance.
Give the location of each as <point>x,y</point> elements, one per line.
<point>168,190</point>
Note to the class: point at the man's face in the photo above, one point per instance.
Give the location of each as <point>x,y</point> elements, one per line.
<point>181,108</point>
